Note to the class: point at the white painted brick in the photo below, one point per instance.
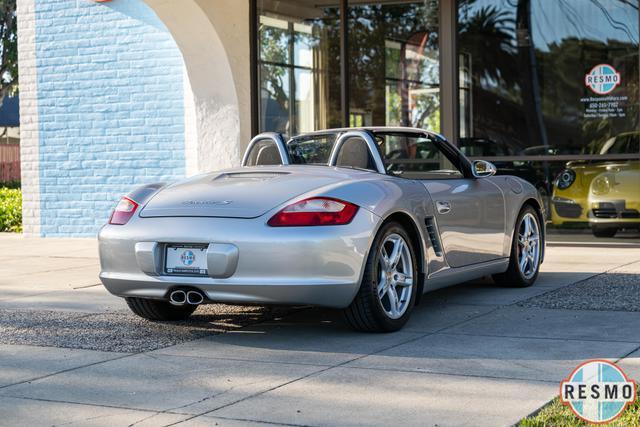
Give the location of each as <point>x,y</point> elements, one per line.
<point>29,117</point>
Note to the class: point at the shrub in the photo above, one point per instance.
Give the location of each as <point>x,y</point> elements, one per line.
<point>10,209</point>
<point>10,184</point>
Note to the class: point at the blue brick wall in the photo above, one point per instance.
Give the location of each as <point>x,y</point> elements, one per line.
<point>110,105</point>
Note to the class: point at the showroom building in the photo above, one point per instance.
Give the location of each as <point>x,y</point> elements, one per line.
<point>126,92</point>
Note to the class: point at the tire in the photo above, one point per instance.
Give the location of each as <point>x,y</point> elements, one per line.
<point>604,231</point>
<point>152,309</point>
<point>516,275</point>
<point>370,313</point>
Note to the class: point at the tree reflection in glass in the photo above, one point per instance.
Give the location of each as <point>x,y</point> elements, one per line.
<point>394,63</point>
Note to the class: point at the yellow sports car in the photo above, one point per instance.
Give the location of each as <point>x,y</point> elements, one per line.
<point>605,194</point>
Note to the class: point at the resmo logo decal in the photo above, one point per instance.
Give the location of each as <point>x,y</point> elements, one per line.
<point>187,257</point>
<point>602,79</point>
<point>597,391</point>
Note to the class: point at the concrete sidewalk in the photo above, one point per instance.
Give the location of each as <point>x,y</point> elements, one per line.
<point>472,355</point>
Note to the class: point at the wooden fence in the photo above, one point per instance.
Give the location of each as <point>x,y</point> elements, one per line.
<point>9,162</point>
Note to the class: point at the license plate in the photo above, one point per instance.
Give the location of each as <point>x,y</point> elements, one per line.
<point>183,259</point>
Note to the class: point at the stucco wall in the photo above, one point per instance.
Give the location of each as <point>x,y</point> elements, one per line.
<point>213,37</point>
<point>108,101</point>
<point>230,18</point>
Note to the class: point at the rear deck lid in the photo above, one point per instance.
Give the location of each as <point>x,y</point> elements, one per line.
<point>239,193</point>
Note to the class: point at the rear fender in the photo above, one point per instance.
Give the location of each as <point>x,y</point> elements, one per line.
<point>390,197</point>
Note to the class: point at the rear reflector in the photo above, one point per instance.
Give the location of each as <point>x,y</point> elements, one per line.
<point>313,212</point>
<point>123,212</point>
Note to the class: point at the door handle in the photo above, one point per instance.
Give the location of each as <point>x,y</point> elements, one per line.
<point>443,207</point>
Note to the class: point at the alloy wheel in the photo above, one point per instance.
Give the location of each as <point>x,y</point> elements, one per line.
<point>528,246</point>
<point>395,278</point>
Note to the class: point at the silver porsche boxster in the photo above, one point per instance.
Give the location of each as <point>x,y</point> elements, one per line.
<point>365,220</point>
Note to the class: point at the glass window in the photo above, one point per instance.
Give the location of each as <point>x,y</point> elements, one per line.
<point>417,157</point>
<point>549,78</point>
<point>526,68</point>
<point>299,66</point>
<point>625,143</point>
<point>393,59</point>
<point>394,64</point>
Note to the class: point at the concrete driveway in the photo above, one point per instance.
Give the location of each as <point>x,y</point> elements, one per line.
<point>471,355</point>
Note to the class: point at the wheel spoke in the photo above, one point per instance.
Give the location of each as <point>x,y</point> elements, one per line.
<point>384,258</point>
<point>393,300</point>
<point>523,261</point>
<point>382,287</point>
<point>527,226</point>
<point>532,227</point>
<point>396,254</point>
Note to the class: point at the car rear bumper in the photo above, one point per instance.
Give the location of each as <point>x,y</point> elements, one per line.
<point>283,265</point>
<point>337,295</point>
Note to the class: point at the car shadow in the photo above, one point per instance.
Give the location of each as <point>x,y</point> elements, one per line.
<point>514,340</point>
<point>470,310</point>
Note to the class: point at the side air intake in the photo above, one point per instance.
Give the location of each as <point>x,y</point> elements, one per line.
<point>433,235</point>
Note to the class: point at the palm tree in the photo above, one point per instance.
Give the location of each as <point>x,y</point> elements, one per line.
<point>489,35</point>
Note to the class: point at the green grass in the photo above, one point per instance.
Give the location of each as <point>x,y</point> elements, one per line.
<point>10,209</point>
<point>555,414</point>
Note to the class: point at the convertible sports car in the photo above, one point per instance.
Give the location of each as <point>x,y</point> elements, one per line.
<point>365,220</point>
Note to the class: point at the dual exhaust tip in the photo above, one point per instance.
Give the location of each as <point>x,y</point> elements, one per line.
<point>180,297</point>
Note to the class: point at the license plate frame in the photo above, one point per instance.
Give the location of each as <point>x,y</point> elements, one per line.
<point>185,260</point>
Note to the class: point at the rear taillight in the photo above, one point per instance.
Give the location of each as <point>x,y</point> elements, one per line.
<point>123,211</point>
<point>315,211</point>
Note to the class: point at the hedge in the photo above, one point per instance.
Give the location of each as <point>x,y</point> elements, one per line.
<point>10,209</point>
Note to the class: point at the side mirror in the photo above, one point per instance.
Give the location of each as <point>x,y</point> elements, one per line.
<point>483,169</point>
